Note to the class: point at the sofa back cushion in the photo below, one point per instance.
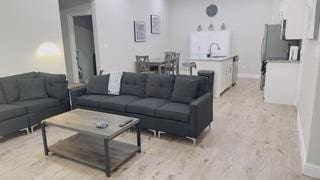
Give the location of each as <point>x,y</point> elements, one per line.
<point>133,84</point>
<point>98,85</point>
<point>56,85</point>
<point>32,89</point>
<point>203,86</point>
<point>10,85</point>
<point>159,86</point>
<point>185,90</point>
<point>2,97</point>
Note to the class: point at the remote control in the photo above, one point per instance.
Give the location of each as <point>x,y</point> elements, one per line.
<point>125,123</point>
<point>101,124</point>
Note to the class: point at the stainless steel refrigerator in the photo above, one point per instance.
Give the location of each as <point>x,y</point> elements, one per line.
<point>273,48</point>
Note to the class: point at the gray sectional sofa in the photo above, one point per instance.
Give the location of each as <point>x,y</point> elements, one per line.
<point>180,105</point>
<point>28,98</point>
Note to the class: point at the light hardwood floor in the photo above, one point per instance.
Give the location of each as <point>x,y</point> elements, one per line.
<point>249,140</point>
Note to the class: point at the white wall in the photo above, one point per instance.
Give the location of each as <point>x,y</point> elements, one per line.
<point>24,26</point>
<point>308,105</point>
<point>314,146</point>
<point>308,101</point>
<point>67,10</point>
<point>308,86</point>
<point>246,18</point>
<point>115,33</point>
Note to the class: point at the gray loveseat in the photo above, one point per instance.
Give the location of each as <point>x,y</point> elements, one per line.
<point>28,98</point>
<point>179,105</point>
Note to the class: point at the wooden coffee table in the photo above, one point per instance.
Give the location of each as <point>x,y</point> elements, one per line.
<point>92,146</point>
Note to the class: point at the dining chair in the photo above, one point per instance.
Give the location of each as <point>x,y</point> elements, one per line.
<point>168,64</point>
<point>142,64</point>
<point>171,63</point>
<point>176,60</point>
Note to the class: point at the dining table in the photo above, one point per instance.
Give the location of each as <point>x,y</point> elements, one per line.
<point>159,62</point>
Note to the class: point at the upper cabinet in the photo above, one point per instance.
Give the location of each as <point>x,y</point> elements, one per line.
<point>292,15</point>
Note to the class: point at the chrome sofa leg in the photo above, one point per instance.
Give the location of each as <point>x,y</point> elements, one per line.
<point>194,140</point>
<point>32,127</point>
<point>25,129</point>
<point>159,133</point>
<point>154,132</point>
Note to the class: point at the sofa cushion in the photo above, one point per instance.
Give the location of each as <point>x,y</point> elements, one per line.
<point>36,105</point>
<point>118,103</point>
<point>91,100</point>
<point>32,89</point>
<point>133,84</point>
<point>10,85</point>
<point>185,90</point>
<point>2,97</point>
<point>146,106</point>
<point>56,85</point>
<point>98,85</point>
<point>8,111</point>
<point>159,86</point>
<point>174,111</point>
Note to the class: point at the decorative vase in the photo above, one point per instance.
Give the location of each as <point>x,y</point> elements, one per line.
<point>211,28</point>
<point>199,28</point>
<point>223,26</point>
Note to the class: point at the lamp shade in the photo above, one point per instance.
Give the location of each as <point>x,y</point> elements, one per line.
<point>48,49</point>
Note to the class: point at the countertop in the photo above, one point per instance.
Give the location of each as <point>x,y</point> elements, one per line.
<point>212,59</point>
<point>283,61</point>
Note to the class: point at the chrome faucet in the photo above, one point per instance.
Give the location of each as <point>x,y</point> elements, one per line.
<point>211,46</point>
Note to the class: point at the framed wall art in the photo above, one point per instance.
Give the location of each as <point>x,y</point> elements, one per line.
<point>140,34</point>
<point>155,24</point>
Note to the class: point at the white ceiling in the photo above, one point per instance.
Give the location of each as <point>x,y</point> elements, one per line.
<point>65,4</point>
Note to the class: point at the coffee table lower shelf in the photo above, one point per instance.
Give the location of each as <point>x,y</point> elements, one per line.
<point>90,150</point>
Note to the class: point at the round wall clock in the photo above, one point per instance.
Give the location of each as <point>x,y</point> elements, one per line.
<point>212,10</point>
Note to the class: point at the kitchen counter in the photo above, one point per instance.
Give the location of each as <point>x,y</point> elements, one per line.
<point>224,68</point>
<point>222,58</point>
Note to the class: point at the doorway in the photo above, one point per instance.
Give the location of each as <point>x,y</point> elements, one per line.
<point>79,35</point>
<point>85,52</point>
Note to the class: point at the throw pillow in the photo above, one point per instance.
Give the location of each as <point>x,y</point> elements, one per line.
<point>32,89</point>
<point>185,90</point>
<point>98,85</point>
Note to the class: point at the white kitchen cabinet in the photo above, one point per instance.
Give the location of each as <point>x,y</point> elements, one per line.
<point>281,82</point>
<point>223,68</point>
<point>292,13</point>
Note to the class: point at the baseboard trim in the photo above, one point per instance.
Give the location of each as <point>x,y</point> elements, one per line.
<point>301,141</point>
<point>308,169</point>
<point>249,76</point>
<point>311,170</point>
